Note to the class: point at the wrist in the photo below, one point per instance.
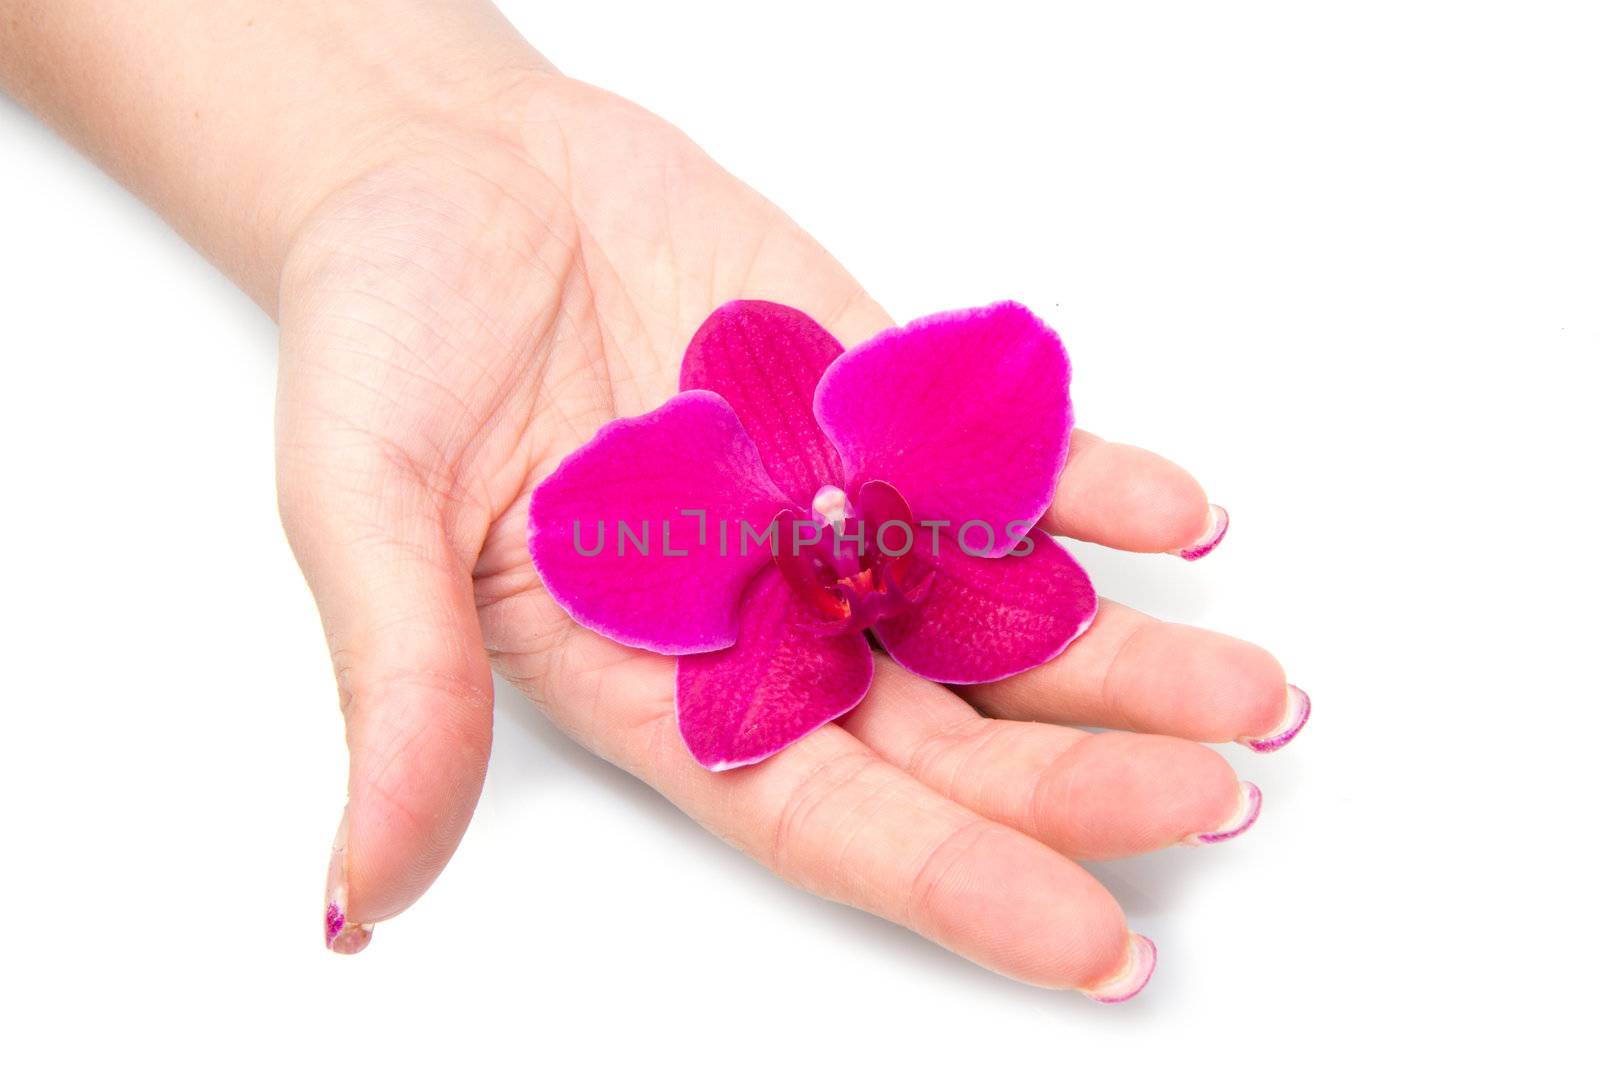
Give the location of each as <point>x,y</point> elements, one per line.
<point>425,118</point>
<point>234,120</point>
<point>453,162</point>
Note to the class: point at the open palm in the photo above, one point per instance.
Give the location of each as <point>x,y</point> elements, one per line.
<point>460,318</point>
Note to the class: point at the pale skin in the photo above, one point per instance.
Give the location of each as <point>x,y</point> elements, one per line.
<point>476,262</point>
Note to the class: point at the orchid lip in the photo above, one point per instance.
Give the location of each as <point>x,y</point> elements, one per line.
<point>845,574</point>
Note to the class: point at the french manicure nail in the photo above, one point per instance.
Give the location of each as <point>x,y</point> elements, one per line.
<point>339,934</point>
<point>1244,816</point>
<point>1211,539</point>
<point>1297,709</point>
<point>1135,974</point>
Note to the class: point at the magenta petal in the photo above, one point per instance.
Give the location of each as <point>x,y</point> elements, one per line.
<point>775,685</point>
<point>765,359</point>
<point>966,413</point>
<point>987,619</point>
<point>671,587</point>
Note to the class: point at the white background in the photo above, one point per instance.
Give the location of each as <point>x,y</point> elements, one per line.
<point>1343,262</point>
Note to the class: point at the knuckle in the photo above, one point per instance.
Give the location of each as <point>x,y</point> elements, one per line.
<point>924,907</point>
<point>948,741</point>
<point>791,851</point>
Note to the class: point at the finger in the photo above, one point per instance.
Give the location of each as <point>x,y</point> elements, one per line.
<point>1131,672</point>
<point>1091,796</point>
<point>831,817</point>
<point>1112,494</point>
<point>1127,498</point>
<point>414,683</point>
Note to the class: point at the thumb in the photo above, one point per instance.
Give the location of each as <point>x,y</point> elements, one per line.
<point>397,605</point>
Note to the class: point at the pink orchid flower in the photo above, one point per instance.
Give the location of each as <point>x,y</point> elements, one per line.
<point>898,483</point>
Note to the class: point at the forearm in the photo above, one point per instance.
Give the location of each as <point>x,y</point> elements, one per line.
<point>235,118</point>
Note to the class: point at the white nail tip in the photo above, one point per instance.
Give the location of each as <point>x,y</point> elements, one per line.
<point>1297,709</point>
<point>1244,816</point>
<point>1135,974</point>
<point>1212,538</point>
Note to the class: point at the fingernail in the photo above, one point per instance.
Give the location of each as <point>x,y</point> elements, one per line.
<point>1212,538</point>
<point>1135,974</point>
<point>1297,709</point>
<point>341,935</point>
<point>1243,817</point>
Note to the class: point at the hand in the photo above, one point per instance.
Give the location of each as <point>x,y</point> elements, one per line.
<point>458,319</point>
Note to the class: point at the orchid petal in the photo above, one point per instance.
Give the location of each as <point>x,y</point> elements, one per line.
<point>765,360</point>
<point>775,685</point>
<point>987,619</point>
<point>966,413</point>
<point>668,584</point>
